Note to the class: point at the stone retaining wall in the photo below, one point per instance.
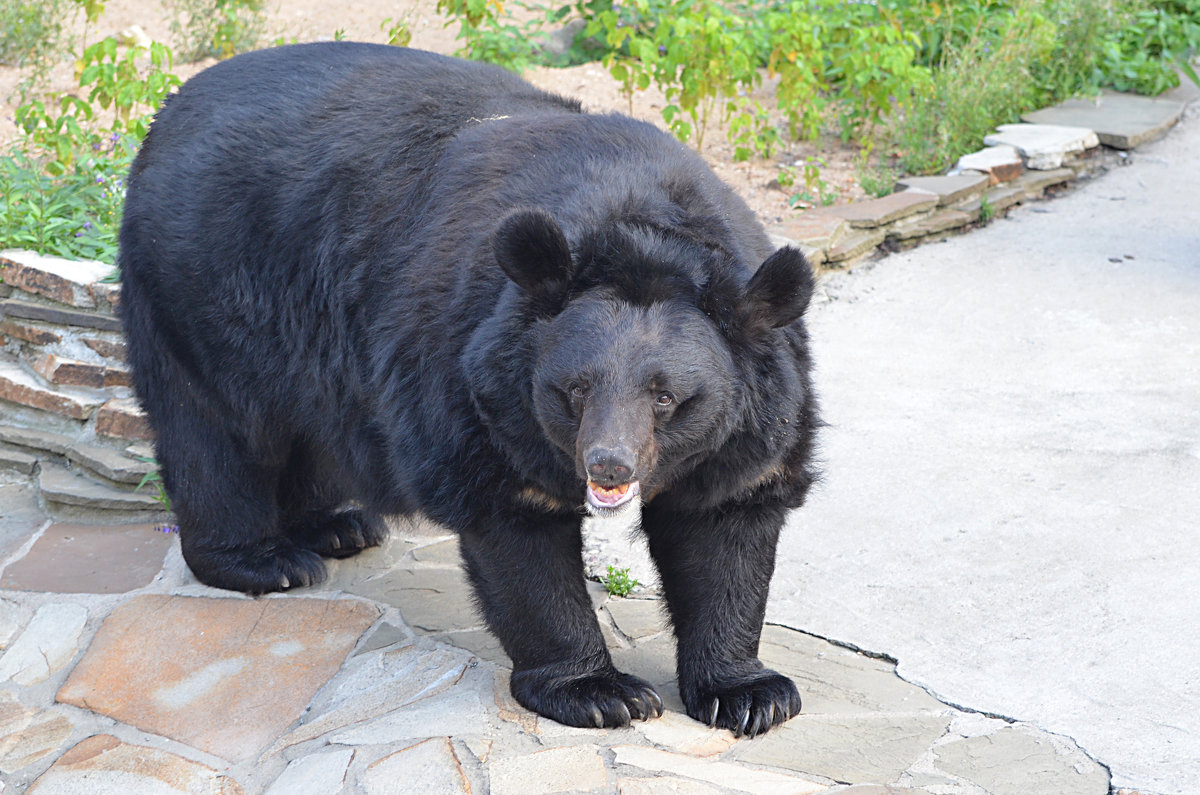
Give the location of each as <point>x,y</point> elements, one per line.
<point>68,418</point>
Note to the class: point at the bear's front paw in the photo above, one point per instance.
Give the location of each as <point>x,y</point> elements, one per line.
<point>747,706</point>
<point>598,700</point>
<point>340,535</point>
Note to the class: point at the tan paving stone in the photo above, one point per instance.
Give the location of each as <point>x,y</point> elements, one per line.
<point>73,558</point>
<point>46,441</point>
<point>123,418</point>
<point>30,332</point>
<point>949,189</point>
<point>442,553</point>
<point>457,713</point>
<point>819,229</point>
<point>578,768</point>
<point>222,675</point>
<point>847,747</point>
<point>837,681</point>
<point>62,280</point>
<point>638,618</point>
<point>678,732</point>
<point>873,213</point>
<point>858,243</point>
<point>431,600</point>
<point>665,785</point>
<point>508,707</point>
<point>27,735</point>
<point>431,765</point>
<point>1001,163</point>
<point>941,221</point>
<point>1043,146</point>
<point>70,372</point>
<point>1016,762</point>
<point>1122,121</point>
<point>18,386</point>
<point>66,487</point>
<point>48,643</point>
<point>323,772</point>
<point>16,461</point>
<point>723,774</point>
<point>111,464</point>
<point>379,684</point>
<point>104,764</point>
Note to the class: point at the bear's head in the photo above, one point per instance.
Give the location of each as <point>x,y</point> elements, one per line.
<point>633,350</point>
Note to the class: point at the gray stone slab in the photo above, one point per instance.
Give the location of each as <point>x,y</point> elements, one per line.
<point>16,461</point>
<point>59,485</point>
<point>431,600</point>
<point>874,213</point>
<point>19,518</point>
<point>858,243</point>
<point>1001,163</point>
<point>949,189</point>
<point>638,618</point>
<point>29,310</point>
<point>1122,121</point>
<point>847,747</point>
<point>837,681</point>
<point>111,464</point>
<point>1015,762</point>
<point>1044,146</point>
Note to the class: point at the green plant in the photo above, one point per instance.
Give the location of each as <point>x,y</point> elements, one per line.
<point>816,192</point>
<point>397,30</point>
<point>986,211</point>
<point>154,478</point>
<point>215,28</point>
<point>489,33</point>
<point>982,80</point>
<point>31,32</point>
<point>1154,38</point>
<point>619,583</point>
<point>703,56</point>
<point>876,180</point>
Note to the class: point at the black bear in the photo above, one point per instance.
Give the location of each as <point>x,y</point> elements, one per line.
<point>363,280</point>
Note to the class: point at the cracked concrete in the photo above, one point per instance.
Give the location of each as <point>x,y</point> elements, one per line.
<point>1011,466</point>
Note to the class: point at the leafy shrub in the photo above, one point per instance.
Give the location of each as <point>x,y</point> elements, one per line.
<point>216,28</point>
<point>62,182</point>
<point>1152,38</point>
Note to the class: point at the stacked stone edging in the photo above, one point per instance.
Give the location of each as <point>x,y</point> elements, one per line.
<point>68,418</point>
<point>1052,148</point>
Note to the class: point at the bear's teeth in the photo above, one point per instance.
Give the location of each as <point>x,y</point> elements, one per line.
<point>604,497</point>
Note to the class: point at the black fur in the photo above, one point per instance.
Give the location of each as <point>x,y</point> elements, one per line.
<point>362,280</point>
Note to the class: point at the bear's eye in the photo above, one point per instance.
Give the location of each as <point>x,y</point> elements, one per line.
<point>578,390</point>
<point>664,399</point>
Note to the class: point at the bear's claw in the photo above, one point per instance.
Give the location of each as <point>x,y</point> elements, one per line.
<point>747,708</point>
<point>608,699</point>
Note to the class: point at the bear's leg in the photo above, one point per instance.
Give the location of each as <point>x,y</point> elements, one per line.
<point>716,568</point>
<point>528,574</point>
<point>317,512</point>
<point>223,493</point>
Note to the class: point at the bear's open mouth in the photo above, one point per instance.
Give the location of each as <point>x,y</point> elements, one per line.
<point>603,497</point>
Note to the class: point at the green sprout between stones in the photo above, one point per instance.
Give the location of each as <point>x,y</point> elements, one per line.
<point>619,583</point>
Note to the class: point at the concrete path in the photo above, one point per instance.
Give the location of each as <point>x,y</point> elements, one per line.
<point>1012,500</point>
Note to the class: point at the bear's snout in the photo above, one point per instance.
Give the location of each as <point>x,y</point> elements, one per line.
<point>610,466</point>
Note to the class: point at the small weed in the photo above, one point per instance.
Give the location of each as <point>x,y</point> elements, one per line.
<point>816,193</point>
<point>986,211</point>
<point>154,478</point>
<point>399,34</point>
<point>619,583</point>
<point>878,180</point>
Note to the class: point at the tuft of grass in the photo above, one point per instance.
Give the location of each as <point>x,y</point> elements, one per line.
<point>619,583</point>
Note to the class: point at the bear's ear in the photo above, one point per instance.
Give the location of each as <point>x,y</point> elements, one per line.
<point>531,248</point>
<point>779,291</point>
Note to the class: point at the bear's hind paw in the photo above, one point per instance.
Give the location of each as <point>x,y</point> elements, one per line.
<point>341,535</point>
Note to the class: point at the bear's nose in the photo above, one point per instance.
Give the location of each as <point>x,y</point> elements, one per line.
<point>609,466</point>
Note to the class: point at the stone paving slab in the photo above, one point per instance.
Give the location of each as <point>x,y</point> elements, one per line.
<point>1001,163</point>
<point>178,685</point>
<point>1122,121</point>
<point>104,764</point>
<point>62,280</point>
<point>1044,146</point>
<point>271,655</point>
<point>74,558</point>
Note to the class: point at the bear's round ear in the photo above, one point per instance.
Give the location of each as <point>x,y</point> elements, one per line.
<point>779,291</point>
<point>531,248</point>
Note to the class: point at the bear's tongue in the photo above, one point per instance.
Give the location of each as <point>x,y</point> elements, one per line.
<point>602,497</point>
